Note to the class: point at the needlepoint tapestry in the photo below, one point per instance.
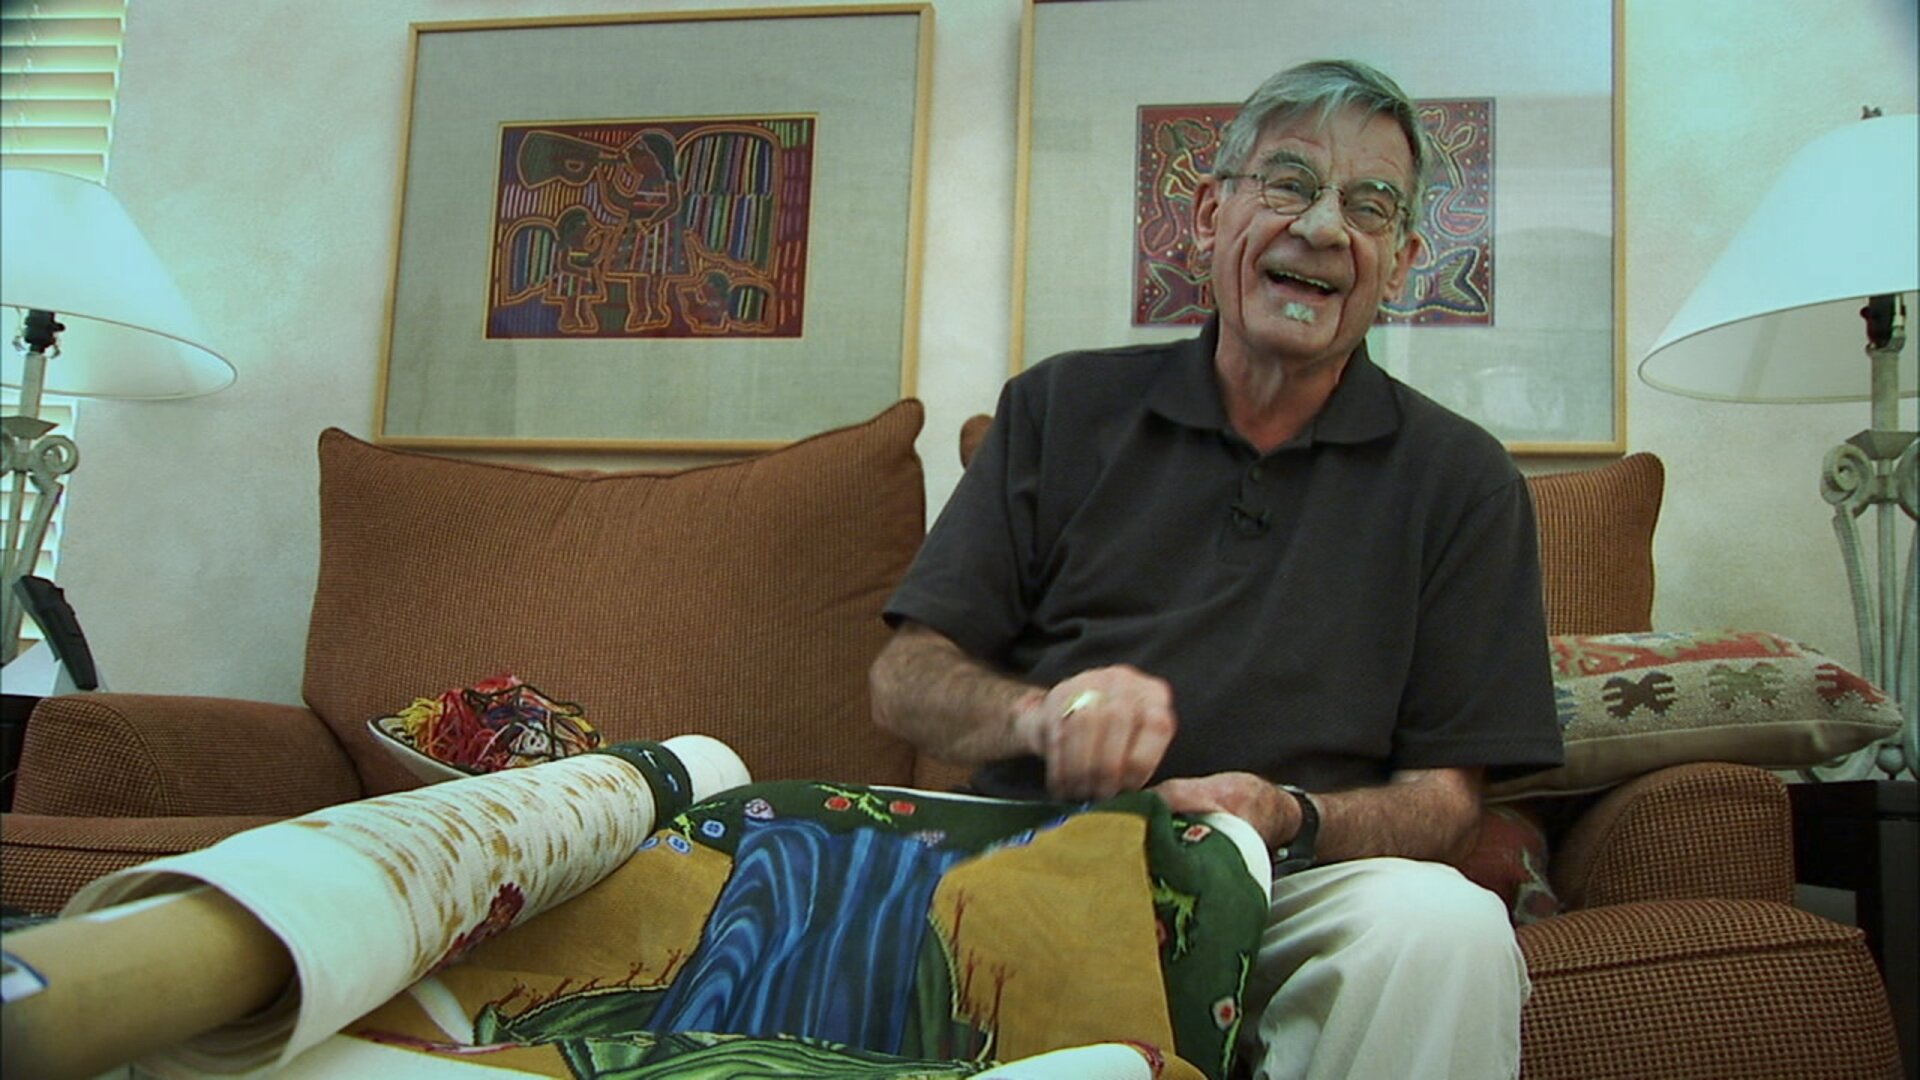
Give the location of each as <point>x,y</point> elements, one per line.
<point>836,930</point>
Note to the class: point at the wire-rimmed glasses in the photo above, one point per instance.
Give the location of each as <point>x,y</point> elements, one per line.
<point>1369,206</point>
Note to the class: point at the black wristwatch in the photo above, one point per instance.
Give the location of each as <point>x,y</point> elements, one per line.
<point>1297,853</point>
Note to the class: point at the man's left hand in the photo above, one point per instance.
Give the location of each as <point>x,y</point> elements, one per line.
<point>1254,799</point>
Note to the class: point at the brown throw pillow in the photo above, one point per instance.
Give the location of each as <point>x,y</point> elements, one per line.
<point>740,601</point>
<point>1596,545</point>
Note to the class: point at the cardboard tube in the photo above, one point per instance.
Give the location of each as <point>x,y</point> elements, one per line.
<point>161,967</point>
<point>238,957</point>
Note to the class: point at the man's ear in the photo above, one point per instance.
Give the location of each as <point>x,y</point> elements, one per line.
<point>1403,262</point>
<point>1206,214</point>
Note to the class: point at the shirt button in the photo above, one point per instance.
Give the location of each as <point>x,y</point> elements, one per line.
<point>1254,474</point>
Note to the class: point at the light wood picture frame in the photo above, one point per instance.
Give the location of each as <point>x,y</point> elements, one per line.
<point>1538,358</point>
<point>680,232</point>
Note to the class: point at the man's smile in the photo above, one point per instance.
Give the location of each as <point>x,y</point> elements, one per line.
<point>1295,281</point>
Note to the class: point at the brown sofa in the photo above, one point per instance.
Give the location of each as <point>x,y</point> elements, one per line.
<point>742,601</point>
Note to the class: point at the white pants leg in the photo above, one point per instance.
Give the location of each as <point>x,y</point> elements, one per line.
<point>1386,968</point>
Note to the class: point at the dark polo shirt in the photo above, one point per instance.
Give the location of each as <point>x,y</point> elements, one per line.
<point>1362,599</point>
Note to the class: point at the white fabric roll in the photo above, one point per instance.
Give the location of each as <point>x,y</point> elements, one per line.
<point>370,896</point>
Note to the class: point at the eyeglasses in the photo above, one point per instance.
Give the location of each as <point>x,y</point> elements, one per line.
<point>1370,206</point>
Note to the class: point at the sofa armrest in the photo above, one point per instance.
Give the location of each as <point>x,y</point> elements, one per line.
<point>139,755</point>
<point>1709,829</point>
<point>45,860</point>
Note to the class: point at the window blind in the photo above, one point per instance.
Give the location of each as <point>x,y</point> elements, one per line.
<point>59,70</point>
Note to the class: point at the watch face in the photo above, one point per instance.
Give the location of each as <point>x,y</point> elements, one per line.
<point>1284,862</point>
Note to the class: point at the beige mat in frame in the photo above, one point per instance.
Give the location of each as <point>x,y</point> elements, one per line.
<point>858,75</point>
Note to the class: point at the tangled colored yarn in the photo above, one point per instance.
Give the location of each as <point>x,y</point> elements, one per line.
<point>498,723</point>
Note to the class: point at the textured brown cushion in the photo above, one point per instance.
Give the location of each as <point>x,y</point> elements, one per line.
<point>1706,829</point>
<point>972,433</point>
<point>133,755</point>
<point>740,600</point>
<point>45,860</point>
<point>1596,545</point>
<point>1699,988</point>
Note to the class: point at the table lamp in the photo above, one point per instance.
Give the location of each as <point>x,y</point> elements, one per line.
<point>97,316</point>
<point>1831,259</point>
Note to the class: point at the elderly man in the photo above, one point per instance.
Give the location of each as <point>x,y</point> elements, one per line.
<point>1257,574</point>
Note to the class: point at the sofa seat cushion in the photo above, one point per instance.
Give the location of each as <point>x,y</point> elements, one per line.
<point>1693,988</point>
<point>739,600</point>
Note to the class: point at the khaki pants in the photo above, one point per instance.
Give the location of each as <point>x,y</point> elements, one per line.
<point>1385,968</point>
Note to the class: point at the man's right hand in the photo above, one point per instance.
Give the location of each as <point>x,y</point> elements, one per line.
<point>1100,732</point>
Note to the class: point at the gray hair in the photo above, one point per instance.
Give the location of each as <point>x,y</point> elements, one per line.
<point>1323,88</point>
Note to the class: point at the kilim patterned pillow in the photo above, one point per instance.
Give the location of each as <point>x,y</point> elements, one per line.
<point>1633,703</point>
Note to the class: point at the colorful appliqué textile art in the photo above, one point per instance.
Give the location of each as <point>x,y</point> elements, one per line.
<point>1450,285</point>
<point>806,929</point>
<point>652,229</point>
<point>793,929</point>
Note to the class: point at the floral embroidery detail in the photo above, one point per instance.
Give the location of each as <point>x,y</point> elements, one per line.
<point>1196,833</point>
<point>713,829</point>
<point>864,800</point>
<point>508,902</point>
<point>649,843</point>
<point>901,807</point>
<point>759,809</point>
<point>1226,1012</point>
<point>679,844</point>
<point>1174,910</point>
<point>929,837</point>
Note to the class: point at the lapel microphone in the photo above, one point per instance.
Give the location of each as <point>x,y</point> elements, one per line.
<point>1249,520</point>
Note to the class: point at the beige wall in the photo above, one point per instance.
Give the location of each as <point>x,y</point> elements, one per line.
<point>258,144</point>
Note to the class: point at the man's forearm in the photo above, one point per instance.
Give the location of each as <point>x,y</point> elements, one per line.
<point>930,693</point>
<point>1421,814</point>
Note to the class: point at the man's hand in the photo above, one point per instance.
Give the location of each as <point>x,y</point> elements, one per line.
<point>1254,799</point>
<point>1418,814</point>
<point>1100,732</point>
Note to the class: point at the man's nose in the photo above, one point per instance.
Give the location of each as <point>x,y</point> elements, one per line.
<point>1322,223</point>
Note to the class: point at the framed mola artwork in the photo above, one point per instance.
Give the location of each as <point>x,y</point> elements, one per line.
<point>652,229</point>
<point>613,235</point>
<point>1511,314</point>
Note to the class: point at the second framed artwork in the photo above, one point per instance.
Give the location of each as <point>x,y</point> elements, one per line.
<point>691,231</point>
<point>1511,317</point>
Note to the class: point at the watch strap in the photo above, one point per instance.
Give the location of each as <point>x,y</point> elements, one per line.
<point>1299,852</point>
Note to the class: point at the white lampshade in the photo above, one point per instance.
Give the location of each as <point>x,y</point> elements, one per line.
<point>1777,318</point>
<point>67,246</point>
